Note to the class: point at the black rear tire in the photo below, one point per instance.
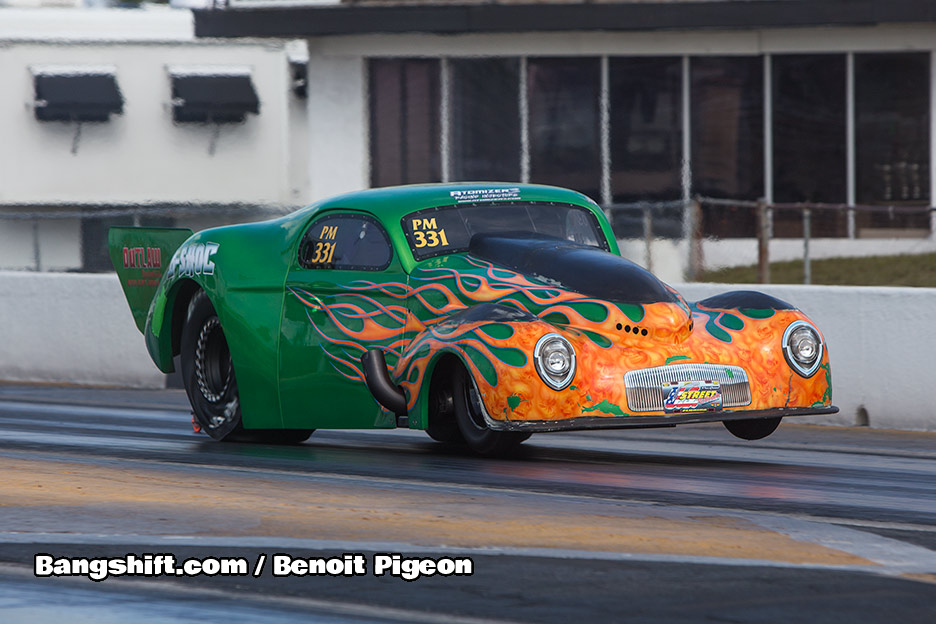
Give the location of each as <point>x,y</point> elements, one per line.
<point>752,428</point>
<point>469,414</point>
<point>208,372</point>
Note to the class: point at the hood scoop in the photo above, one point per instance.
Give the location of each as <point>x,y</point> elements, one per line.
<point>572,266</point>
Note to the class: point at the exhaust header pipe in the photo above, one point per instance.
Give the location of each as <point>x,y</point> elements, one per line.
<point>379,383</point>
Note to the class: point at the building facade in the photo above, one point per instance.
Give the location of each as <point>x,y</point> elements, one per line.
<point>122,116</point>
<point>826,101</point>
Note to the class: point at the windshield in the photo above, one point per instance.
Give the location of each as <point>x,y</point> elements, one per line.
<point>448,229</point>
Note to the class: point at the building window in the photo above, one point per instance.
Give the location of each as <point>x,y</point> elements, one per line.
<point>727,128</point>
<point>646,128</point>
<point>809,141</point>
<point>485,118</point>
<point>564,121</point>
<point>727,97</point>
<point>892,127</point>
<point>404,121</point>
<point>892,138</point>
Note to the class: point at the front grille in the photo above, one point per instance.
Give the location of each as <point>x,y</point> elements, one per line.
<point>645,387</point>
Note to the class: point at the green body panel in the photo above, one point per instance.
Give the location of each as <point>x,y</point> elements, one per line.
<point>246,288</point>
<point>140,256</point>
<point>320,370</point>
<point>288,374</point>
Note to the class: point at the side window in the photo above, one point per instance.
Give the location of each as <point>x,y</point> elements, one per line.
<point>345,241</point>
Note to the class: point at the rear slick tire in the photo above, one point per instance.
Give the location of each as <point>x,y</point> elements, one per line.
<point>752,428</point>
<point>469,414</point>
<point>208,372</point>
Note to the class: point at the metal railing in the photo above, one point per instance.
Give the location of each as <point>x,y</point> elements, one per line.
<point>694,228</point>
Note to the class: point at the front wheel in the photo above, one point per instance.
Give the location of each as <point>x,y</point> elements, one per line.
<point>752,428</point>
<point>469,414</point>
<point>208,372</point>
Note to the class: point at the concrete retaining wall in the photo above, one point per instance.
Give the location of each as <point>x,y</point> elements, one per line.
<point>73,328</point>
<point>77,328</point>
<point>882,344</point>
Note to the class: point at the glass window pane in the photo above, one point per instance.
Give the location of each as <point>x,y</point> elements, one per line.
<point>485,119</point>
<point>727,110</point>
<point>646,128</point>
<point>809,125</point>
<point>404,117</point>
<point>353,242</point>
<point>892,128</point>
<point>564,123</point>
<point>450,229</point>
<point>809,134</point>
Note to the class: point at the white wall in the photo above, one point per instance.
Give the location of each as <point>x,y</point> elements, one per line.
<point>141,156</point>
<point>78,329</point>
<point>339,151</point>
<point>72,328</point>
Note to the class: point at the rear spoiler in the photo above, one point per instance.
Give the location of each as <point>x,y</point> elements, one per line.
<point>140,257</point>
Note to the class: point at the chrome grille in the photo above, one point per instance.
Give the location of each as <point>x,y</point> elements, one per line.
<point>645,386</point>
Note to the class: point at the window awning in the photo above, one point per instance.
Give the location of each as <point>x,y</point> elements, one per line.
<point>212,94</point>
<point>76,94</point>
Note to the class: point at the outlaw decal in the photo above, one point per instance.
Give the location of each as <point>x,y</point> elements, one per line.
<point>142,257</point>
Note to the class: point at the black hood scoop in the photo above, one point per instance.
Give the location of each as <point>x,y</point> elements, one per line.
<point>572,266</point>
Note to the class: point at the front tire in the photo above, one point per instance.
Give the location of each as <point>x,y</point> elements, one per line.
<point>752,428</point>
<point>443,426</point>
<point>469,414</point>
<point>208,372</point>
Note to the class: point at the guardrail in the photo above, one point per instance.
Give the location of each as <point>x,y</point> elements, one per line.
<point>77,328</point>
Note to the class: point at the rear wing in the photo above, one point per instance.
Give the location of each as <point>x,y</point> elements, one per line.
<point>140,257</point>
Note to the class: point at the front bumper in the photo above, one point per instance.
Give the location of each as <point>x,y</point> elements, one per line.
<point>647,422</point>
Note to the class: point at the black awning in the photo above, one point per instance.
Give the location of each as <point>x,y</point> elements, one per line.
<point>76,96</point>
<point>218,98</point>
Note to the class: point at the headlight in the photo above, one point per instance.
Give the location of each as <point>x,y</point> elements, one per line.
<point>802,348</point>
<point>554,358</point>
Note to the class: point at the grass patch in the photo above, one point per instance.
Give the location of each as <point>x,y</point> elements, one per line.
<point>903,270</point>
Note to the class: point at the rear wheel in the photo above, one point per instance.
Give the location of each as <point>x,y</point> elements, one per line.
<point>469,414</point>
<point>753,428</point>
<point>208,372</point>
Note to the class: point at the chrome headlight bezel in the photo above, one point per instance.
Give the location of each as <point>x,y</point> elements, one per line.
<point>556,381</point>
<point>804,368</point>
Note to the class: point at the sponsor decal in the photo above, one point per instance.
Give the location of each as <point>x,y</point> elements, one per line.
<point>478,195</point>
<point>148,260</point>
<point>192,259</point>
<point>691,396</point>
<point>142,258</point>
